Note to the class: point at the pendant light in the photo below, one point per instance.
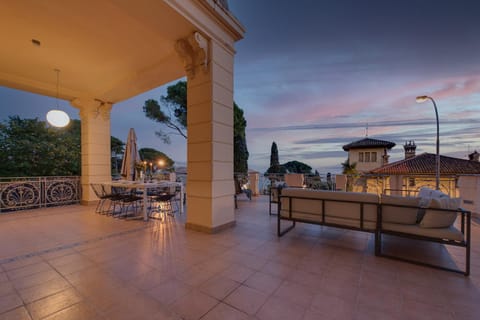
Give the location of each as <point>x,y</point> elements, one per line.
<point>56,117</point>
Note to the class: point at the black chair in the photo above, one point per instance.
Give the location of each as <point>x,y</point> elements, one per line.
<point>104,194</point>
<point>126,198</point>
<point>162,202</point>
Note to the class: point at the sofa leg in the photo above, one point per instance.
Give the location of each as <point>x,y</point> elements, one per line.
<point>467,259</point>
<point>378,244</point>
<point>282,232</point>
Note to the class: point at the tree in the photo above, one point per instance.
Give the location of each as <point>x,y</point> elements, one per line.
<point>29,148</point>
<point>240,150</point>
<point>274,160</point>
<point>118,147</point>
<point>275,166</point>
<point>172,113</point>
<point>151,155</point>
<point>276,170</point>
<point>297,167</point>
<point>350,170</point>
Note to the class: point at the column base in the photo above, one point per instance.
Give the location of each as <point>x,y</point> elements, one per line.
<point>210,230</point>
<point>88,202</point>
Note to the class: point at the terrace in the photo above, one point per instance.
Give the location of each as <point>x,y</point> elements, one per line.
<point>70,263</point>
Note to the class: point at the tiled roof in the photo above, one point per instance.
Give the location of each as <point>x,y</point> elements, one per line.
<point>369,143</point>
<point>425,164</point>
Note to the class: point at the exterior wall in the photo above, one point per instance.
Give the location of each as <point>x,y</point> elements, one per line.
<point>469,191</point>
<point>341,182</point>
<point>363,166</point>
<point>294,179</point>
<point>253,178</point>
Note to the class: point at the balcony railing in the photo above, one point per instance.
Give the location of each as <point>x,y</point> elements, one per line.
<point>36,192</point>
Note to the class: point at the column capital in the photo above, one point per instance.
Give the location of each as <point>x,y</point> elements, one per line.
<point>194,51</point>
<point>92,108</point>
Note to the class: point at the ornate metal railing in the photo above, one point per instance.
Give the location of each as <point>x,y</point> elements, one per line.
<point>36,192</point>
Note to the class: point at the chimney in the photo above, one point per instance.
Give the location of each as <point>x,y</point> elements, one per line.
<point>410,148</point>
<point>475,156</point>
<point>385,158</point>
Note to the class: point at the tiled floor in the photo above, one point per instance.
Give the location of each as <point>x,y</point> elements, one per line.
<point>70,263</point>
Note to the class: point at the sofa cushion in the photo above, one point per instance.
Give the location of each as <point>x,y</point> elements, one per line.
<point>355,223</point>
<point>398,209</point>
<point>337,204</point>
<point>438,218</point>
<point>450,233</point>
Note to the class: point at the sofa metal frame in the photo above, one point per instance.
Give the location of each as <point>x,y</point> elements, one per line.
<point>465,227</point>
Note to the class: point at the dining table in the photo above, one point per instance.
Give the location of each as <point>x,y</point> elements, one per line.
<point>149,185</point>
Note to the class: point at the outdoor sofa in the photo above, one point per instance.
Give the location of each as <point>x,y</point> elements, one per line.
<point>433,217</point>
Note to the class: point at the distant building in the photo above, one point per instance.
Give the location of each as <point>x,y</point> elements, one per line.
<point>475,156</point>
<point>458,177</point>
<point>368,153</point>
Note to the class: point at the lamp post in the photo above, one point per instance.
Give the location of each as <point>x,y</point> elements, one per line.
<point>421,99</point>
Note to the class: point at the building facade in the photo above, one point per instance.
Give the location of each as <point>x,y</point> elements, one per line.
<point>368,153</point>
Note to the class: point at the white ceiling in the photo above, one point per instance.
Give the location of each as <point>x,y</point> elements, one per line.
<point>109,50</point>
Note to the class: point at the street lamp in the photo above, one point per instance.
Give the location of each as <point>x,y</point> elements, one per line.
<point>421,99</point>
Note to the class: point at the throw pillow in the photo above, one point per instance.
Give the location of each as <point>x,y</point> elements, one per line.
<point>440,219</point>
<point>426,195</point>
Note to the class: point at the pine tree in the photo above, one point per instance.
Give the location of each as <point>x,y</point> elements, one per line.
<point>274,162</point>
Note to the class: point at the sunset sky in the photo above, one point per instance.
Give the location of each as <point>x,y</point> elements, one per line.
<point>310,75</point>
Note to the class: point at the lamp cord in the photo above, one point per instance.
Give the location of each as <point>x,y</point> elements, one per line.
<point>58,77</point>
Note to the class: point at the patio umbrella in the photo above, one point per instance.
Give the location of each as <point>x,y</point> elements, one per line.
<point>130,157</point>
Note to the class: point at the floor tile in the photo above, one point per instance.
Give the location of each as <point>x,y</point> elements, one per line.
<point>263,282</point>
<point>169,291</point>
<point>238,273</point>
<point>6,288</point>
<point>280,309</point>
<point>35,279</point>
<point>219,287</point>
<point>28,270</point>
<point>295,293</point>
<point>54,303</point>
<point>79,311</point>
<point>194,305</point>
<point>334,307</point>
<point>43,290</point>
<point>246,299</point>
<point>10,302</point>
<point>223,311</point>
<point>19,313</point>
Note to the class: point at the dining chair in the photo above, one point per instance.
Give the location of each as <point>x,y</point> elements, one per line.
<point>103,196</point>
<point>162,203</point>
<point>126,198</point>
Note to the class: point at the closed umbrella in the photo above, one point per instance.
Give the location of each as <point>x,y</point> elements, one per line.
<point>130,157</point>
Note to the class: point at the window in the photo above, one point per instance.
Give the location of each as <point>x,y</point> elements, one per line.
<point>367,157</point>
<point>411,182</point>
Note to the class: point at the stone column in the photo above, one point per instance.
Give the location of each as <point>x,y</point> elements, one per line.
<point>95,139</point>
<point>209,67</point>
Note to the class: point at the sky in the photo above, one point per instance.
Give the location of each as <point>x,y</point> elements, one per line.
<point>313,75</point>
